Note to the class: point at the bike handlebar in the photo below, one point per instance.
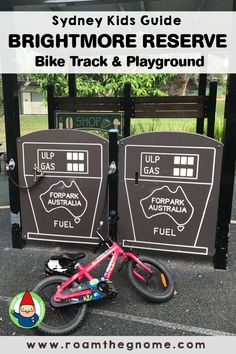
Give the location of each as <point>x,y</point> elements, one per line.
<point>113,218</point>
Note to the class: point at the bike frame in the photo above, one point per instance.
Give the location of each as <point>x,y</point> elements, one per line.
<point>115,251</point>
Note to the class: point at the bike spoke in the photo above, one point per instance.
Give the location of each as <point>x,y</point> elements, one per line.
<point>58,317</point>
<point>150,280</point>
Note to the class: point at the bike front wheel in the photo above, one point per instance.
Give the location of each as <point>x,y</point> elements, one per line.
<point>62,320</point>
<point>157,286</point>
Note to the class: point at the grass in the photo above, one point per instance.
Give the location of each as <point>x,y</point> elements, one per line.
<point>28,125</point>
<point>39,122</point>
<point>140,125</point>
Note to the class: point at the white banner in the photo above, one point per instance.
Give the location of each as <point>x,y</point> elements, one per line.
<point>150,345</point>
<point>117,42</point>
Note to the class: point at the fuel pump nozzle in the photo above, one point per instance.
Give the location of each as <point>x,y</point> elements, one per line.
<point>10,166</point>
<point>112,168</point>
<point>37,173</point>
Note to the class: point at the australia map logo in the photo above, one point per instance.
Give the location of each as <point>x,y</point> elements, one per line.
<point>164,201</point>
<point>68,197</point>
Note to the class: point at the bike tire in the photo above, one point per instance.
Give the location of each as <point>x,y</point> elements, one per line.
<point>79,310</point>
<point>160,292</point>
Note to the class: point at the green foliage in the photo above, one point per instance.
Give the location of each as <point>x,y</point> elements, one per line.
<point>140,125</point>
<point>219,130</point>
<point>58,80</point>
<point>145,125</point>
<point>104,84</point>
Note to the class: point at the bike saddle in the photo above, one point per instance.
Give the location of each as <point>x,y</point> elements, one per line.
<point>73,256</point>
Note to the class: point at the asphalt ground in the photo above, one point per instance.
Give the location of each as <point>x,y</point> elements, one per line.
<point>204,303</point>
<point>4,192</point>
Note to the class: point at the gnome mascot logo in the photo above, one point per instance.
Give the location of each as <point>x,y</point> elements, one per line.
<point>26,310</point>
<point>27,317</point>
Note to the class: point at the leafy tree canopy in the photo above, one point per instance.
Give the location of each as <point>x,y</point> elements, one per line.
<point>103,84</point>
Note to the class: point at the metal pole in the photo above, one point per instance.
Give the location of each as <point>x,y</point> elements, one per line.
<point>72,85</point>
<point>51,107</point>
<point>227,176</point>
<point>128,106</point>
<point>211,109</point>
<point>12,128</point>
<point>201,92</point>
<point>113,180</point>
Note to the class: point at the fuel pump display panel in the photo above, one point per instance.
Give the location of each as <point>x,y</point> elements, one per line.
<point>169,165</point>
<point>66,204</point>
<point>170,192</point>
<point>63,161</point>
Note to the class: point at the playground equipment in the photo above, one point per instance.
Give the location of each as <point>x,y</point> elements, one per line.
<point>202,107</point>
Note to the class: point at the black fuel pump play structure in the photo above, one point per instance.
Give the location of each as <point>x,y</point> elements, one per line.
<point>202,107</point>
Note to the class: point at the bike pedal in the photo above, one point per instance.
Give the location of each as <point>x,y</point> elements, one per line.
<point>112,294</point>
<point>112,291</point>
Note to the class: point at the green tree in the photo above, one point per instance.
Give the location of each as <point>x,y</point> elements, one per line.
<point>105,84</point>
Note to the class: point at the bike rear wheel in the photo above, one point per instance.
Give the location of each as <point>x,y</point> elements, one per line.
<point>62,320</point>
<point>156,287</point>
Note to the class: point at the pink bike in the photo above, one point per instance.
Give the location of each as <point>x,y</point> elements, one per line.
<point>66,298</point>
